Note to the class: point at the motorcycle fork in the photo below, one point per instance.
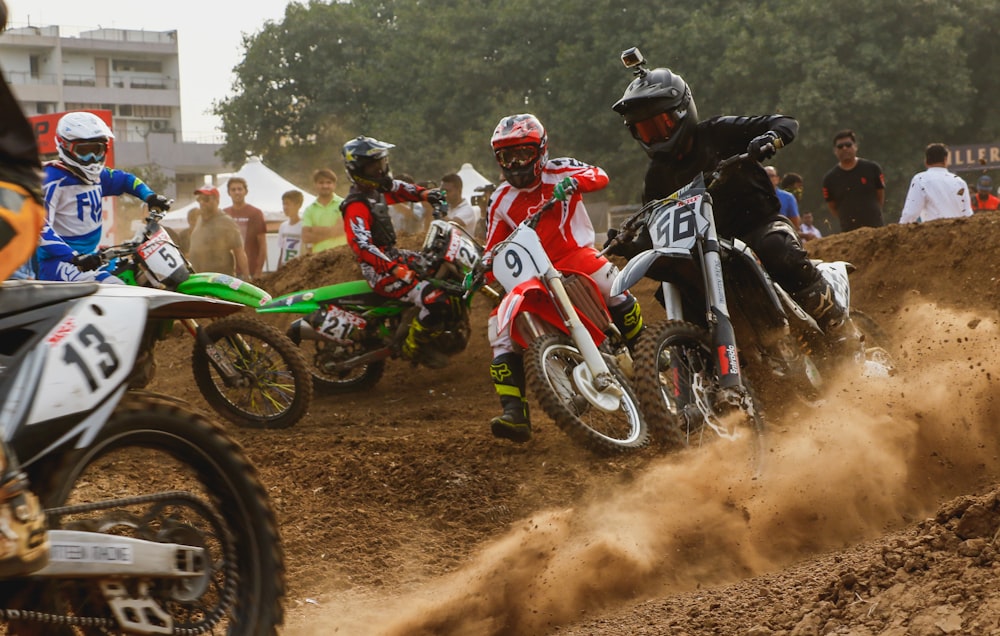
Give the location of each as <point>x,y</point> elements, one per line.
<point>222,365</point>
<point>723,336</point>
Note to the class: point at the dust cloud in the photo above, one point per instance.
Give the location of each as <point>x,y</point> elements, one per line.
<point>873,454</point>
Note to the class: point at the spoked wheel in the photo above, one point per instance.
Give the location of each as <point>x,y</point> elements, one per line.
<point>271,387</point>
<point>323,357</point>
<point>677,382</point>
<point>160,473</point>
<point>551,367</point>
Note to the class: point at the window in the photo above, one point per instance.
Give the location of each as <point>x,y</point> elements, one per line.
<point>137,66</point>
<point>35,62</point>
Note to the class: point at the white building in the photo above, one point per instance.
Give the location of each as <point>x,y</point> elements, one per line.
<point>134,74</point>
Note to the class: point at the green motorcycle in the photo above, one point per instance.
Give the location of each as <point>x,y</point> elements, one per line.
<point>247,370</point>
<point>349,331</point>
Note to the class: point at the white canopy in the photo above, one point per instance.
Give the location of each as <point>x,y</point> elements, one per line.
<point>265,187</point>
<point>470,181</point>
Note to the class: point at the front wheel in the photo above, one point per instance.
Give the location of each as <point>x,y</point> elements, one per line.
<point>678,383</point>
<point>270,387</point>
<point>549,368</point>
<point>161,473</point>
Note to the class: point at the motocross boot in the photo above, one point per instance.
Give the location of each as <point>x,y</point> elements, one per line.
<point>819,301</point>
<point>24,542</point>
<point>416,347</point>
<point>507,371</point>
<point>628,318</point>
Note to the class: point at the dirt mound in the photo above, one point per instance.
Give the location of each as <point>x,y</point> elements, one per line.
<point>877,512</point>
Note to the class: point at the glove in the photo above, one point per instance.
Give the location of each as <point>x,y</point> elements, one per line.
<point>612,233</point>
<point>158,202</point>
<point>764,146</point>
<point>403,273</point>
<point>434,197</point>
<point>87,262</point>
<point>565,189</point>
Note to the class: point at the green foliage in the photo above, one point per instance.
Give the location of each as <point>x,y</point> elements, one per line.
<point>435,77</point>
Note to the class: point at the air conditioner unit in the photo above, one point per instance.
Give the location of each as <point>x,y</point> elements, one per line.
<point>159,125</point>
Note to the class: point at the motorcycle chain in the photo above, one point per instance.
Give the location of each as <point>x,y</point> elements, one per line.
<point>228,596</point>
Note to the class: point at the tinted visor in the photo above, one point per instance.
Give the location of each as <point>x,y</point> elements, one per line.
<point>89,150</point>
<point>376,168</point>
<point>517,156</point>
<point>659,127</point>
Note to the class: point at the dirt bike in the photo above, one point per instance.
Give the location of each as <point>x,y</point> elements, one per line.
<point>724,313</point>
<point>576,360</point>
<point>357,330</point>
<point>157,521</point>
<point>248,371</point>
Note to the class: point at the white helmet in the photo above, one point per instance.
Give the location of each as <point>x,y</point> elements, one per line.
<point>82,140</point>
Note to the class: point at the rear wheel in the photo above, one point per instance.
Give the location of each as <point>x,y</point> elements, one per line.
<point>677,383</point>
<point>323,358</point>
<point>878,361</point>
<point>272,387</point>
<point>549,368</point>
<point>160,473</point>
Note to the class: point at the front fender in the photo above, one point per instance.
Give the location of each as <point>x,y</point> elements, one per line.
<point>532,297</point>
<point>224,287</point>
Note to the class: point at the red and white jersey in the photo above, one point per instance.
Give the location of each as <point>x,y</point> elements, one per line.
<point>563,229</point>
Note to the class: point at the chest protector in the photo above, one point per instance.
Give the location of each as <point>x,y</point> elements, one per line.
<point>383,234</point>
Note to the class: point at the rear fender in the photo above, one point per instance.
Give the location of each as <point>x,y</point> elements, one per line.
<point>224,287</point>
<point>309,300</point>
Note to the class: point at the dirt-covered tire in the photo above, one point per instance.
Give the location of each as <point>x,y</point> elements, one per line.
<point>878,347</point>
<point>548,366</point>
<point>355,380</point>
<point>671,358</point>
<point>153,448</point>
<point>275,389</point>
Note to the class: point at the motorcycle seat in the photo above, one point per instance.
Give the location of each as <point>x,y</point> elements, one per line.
<point>17,296</point>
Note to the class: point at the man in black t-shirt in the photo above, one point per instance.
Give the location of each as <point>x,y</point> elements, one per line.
<point>854,188</point>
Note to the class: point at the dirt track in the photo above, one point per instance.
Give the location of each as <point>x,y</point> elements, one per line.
<point>401,515</point>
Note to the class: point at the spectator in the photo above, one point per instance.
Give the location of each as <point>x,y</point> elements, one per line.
<point>405,215</point>
<point>322,222</point>
<point>251,222</point>
<point>985,200</point>
<point>854,188</point>
<point>290,231</point>
<point>459,210</point>
<point>216,243</point>
<point>807,230</point>
<point>792,182</point>
<point>936,193</point>
<point>789,205</point>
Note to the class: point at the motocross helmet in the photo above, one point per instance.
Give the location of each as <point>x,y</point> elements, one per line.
<point>660,112</point>
<point>82,141</point>
<point>521,148</point>
<point>367,163</point>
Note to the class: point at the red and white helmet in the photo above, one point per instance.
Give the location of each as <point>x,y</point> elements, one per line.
<point>521,147</point>
<point>82,142</point>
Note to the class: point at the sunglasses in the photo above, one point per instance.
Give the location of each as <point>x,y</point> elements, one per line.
<point>846,144</point>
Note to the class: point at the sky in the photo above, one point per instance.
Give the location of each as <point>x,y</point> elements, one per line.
<point>209,33</point>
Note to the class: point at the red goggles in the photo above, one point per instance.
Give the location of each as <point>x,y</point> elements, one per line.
<point>516,156</point>
<point>659,127</point>
<point>88,149</point>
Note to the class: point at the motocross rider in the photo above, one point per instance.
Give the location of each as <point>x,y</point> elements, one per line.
<point>73,190</point>
<point>520,146</point>
<point>387,268</point>
<point>24,545</point>
<point>660,112</point>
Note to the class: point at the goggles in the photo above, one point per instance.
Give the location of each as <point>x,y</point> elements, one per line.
<point>88,150</point>
<point>659,127</point>
<point>376,167</point>
<point>513,157</point>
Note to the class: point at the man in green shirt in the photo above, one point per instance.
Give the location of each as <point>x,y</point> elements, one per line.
<point>322,222</point>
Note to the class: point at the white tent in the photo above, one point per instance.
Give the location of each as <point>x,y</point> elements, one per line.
<point>265,187</point>
<point>470,181</point>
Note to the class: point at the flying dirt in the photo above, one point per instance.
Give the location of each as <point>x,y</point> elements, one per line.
<point>876,509</point>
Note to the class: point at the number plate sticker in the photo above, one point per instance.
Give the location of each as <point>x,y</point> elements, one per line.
<point>520,258</point>
<point>161,257</point>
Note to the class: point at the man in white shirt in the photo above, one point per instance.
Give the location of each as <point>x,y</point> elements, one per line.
<point>936,193</point>
<point>459,209</point>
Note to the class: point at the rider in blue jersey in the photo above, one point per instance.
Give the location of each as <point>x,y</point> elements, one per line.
<point>73,189</point>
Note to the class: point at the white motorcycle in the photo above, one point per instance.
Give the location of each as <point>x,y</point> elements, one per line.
<point>157,521</point>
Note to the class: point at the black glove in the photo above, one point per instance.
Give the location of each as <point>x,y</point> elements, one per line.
<point>612,233</point>
<point>434,197</point>
<point>87,262</point>
<point>764,146</point>
<point>158,202</point>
